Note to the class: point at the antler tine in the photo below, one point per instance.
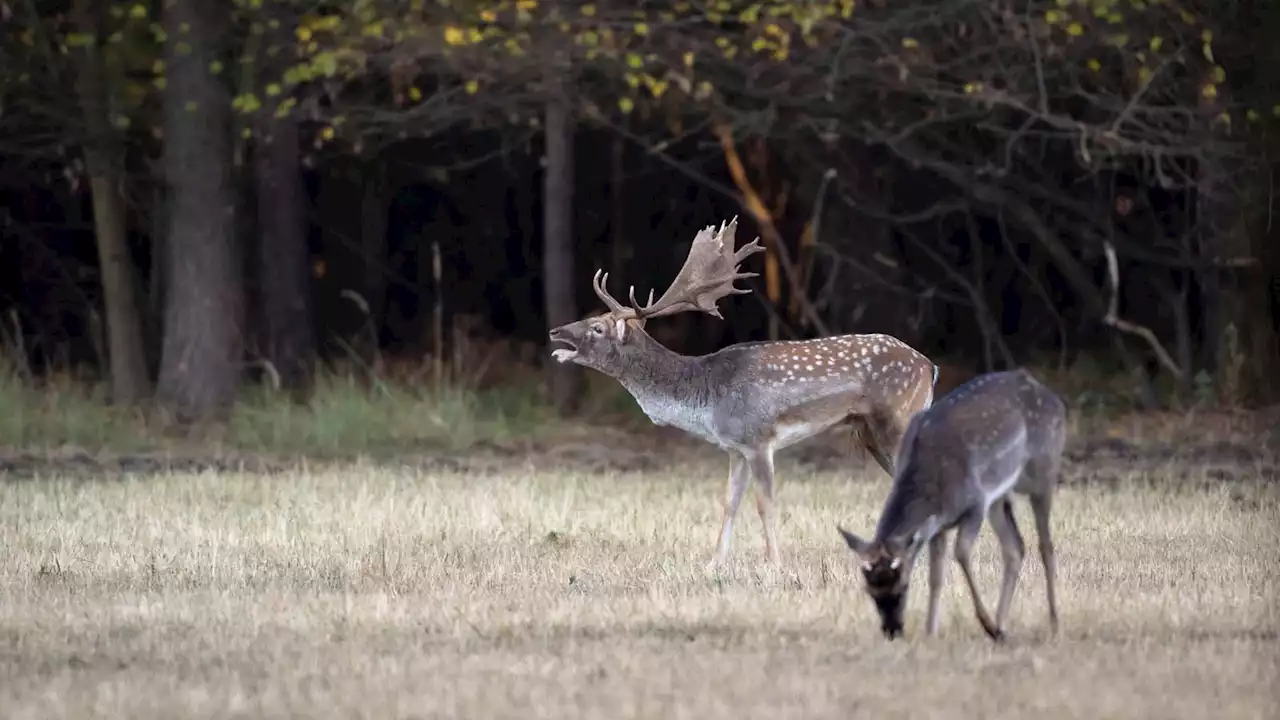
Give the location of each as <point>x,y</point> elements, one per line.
<point>598,284</point>
<point>635,304</point>
<point>708,274</point>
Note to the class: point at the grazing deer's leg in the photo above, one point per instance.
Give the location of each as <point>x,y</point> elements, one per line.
<point>1040,506</point>
<point>762,469</point>
<point>937,573</point>
<point>1012,549</point>
<point>739,476</point>
<point>966,534</point>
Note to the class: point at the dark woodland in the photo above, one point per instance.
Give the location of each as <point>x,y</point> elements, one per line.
<point>199,196</point>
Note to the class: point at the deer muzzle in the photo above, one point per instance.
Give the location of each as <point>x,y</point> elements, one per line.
<point>562,355</point>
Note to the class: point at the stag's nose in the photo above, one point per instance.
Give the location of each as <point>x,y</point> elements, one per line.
<point>556,333</point>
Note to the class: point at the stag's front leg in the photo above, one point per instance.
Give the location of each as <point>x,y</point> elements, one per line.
<point>739,476</point>
<point>762,469</point>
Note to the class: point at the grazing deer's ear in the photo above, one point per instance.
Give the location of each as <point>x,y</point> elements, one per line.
<point>620,328</point>
<point>855,543</point>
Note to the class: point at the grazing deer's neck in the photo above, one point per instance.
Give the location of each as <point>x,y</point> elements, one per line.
<point>908,508</point>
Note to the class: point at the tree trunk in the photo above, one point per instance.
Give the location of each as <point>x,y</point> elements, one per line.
<point>201,353</point>
<point>557,234</point>
<point>284,262</point>
<point>373,244</point>
<point>104,160</point>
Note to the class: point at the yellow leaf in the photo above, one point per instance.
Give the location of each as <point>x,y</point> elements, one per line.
<point>454,35</point>
<point>1094,65</point>
<point>1144,76</point>
<point>246,132</point>
<point>626,105</point>
<point>641,29</point>
<point>122,122</point>
<point>489,16</point>
<point>215,67</point>
<point>1207,51</point>
<point>1251,115</point>
<point>273,89</point>
<point>910,43</point>
<point>1206,35</point>
<point>190,106</point>
<point>1075,29</point>
<point>1209,91</point>
<point>415,94</point>
<point>1219,74</point>
<point>303,33</point>
<point>588,10</point>
<point>688,59</point>
<point>328,132</point>
<point>138,11</point>
<point>1156,42</point>
<point>472,87</point>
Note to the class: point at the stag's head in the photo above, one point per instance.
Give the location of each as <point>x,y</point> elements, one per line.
<point>608,341</point>
<point>886,574</point>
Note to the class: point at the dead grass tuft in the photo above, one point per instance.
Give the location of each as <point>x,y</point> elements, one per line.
<point>367,592</point>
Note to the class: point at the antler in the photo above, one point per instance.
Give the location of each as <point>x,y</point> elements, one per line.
<point>707,276</point>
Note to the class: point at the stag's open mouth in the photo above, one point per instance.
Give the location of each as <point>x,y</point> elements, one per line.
<point>563,354</point>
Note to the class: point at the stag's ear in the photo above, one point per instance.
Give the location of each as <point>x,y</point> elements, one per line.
<point>620,329</point>
<point>855,543</point>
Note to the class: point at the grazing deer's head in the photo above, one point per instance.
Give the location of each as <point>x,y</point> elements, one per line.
<point>886,573</point>
<point>609,342</point>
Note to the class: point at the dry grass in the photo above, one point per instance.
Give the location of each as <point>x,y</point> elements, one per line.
<point>392,593</point>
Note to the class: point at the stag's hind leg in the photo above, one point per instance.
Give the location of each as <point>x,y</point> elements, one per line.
<point>868,433</point>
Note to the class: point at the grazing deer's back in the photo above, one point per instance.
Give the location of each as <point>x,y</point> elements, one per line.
<point>989,414</point>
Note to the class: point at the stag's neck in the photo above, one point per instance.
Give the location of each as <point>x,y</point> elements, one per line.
<point>672,389</point>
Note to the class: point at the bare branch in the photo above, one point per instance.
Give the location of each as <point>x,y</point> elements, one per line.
<point>1113,319</point>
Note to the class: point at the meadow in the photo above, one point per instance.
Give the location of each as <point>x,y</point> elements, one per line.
<point>562,588</point>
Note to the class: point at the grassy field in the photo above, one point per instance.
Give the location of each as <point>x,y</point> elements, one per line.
<point>398,592</point>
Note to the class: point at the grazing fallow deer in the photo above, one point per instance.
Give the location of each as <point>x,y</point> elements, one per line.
<point>753,398</point>
<point>960,461</point>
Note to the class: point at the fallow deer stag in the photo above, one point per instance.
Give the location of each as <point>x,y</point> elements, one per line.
<point>960,461</point>
<point>753,398</point>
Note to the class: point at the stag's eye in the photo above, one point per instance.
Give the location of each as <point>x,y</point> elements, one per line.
<point>597,329</point>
